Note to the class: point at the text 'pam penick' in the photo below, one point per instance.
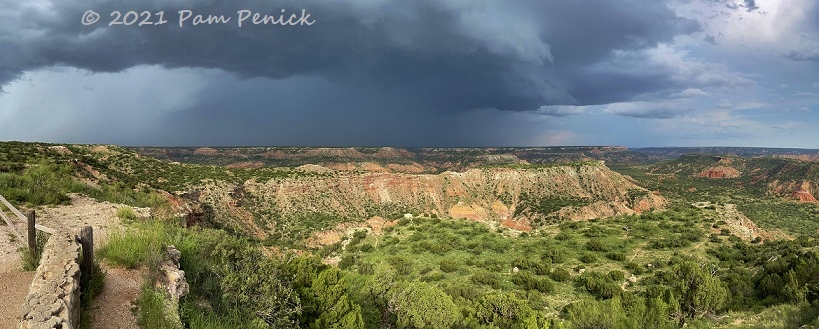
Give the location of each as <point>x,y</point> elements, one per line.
<point>244,18</point>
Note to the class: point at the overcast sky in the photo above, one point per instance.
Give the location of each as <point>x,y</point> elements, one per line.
<point>415,73</point>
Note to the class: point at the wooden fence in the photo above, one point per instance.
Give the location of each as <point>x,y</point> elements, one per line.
<point>31,224</point>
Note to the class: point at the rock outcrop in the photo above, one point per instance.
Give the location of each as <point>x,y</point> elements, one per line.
<point>520,225</point>
<point>486,194</point>
<point>797,190</point>
<point>171,281</point>
<point>802,193</point>
<point>720,172</point>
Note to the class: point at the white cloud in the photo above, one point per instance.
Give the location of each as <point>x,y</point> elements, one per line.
<point>683,69</point>
<point>688,93</point>
<point>720,124</point>
<point>751,105</point>
<point>724,104</point>
<point>561,110</point>
<point>648,110</point>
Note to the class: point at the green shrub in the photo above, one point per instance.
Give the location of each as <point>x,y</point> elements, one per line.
<point>616,256</point>
<point>152,310</point>
<point>357,237</point>
<point>484,278</point>
<point>448,265</point>
<point>588,258</point>
<point>468,292</point>
<point>126,214</point>
<point>635,268</point>
<point>346,262</point>
<point>555,256</point>
<point>600,286</point>
<point>617,275</point>
<point>330,249</point>
<point>560,274</point>
<point>432,277</point>
<point>366,268</point>
<point>401,264</point>
<point>594,245</point>
<point>530,282</point>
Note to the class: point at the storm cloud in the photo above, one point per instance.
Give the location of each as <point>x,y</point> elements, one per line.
<point>406,73</point>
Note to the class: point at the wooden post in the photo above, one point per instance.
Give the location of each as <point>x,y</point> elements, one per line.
<point>87,241</point>
<point>32,235</point>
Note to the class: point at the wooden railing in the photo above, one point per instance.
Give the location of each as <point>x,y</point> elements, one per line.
<point>31,224</point>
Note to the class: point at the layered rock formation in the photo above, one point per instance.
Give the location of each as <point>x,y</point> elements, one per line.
<point>719,172</point>
<point>799,191</point>
<point>493,194</point>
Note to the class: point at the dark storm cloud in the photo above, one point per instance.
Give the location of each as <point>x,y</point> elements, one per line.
<point>809,55</point>
<point>449,55</point>
<point>750,5</point>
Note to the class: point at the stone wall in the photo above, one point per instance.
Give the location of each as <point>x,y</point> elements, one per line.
<point>53,299</point>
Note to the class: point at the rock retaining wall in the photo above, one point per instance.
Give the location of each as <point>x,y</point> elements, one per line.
<point>53,299</point>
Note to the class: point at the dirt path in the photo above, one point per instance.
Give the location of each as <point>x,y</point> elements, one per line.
<point>13,291</point>
<point>112,307</point>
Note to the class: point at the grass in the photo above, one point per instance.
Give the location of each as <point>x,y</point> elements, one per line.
<point>90,287</point>
<point>151,307</point>
<point>30,263</point>
<point>204,318</point>
<point>783,316</point>
<point>126,214</point>
<point>141,246</point>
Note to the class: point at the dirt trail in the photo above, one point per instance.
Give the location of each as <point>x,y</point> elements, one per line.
<point>112,308</point>
<point>13,291</point>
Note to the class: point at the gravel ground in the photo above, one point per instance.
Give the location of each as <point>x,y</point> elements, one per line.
<point>13,291</point>
<point>112,307</point>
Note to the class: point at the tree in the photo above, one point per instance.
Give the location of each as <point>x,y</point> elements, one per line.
<point>793,291</point>
<point>420,305</point>
<point>250,281</point>
<point>592,314</point>
<point>323,293</point>
<point>505,310</point>
<point>333,306</point>
<point>657,315</point>
<point>699,289</point>
<point>380,287</point>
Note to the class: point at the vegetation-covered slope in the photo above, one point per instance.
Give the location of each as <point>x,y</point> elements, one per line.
<point>700,265</point>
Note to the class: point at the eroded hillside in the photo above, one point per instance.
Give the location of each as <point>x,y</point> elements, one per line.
<point>389,159</point>
<point>515,197</point>
<point>765,176</point>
